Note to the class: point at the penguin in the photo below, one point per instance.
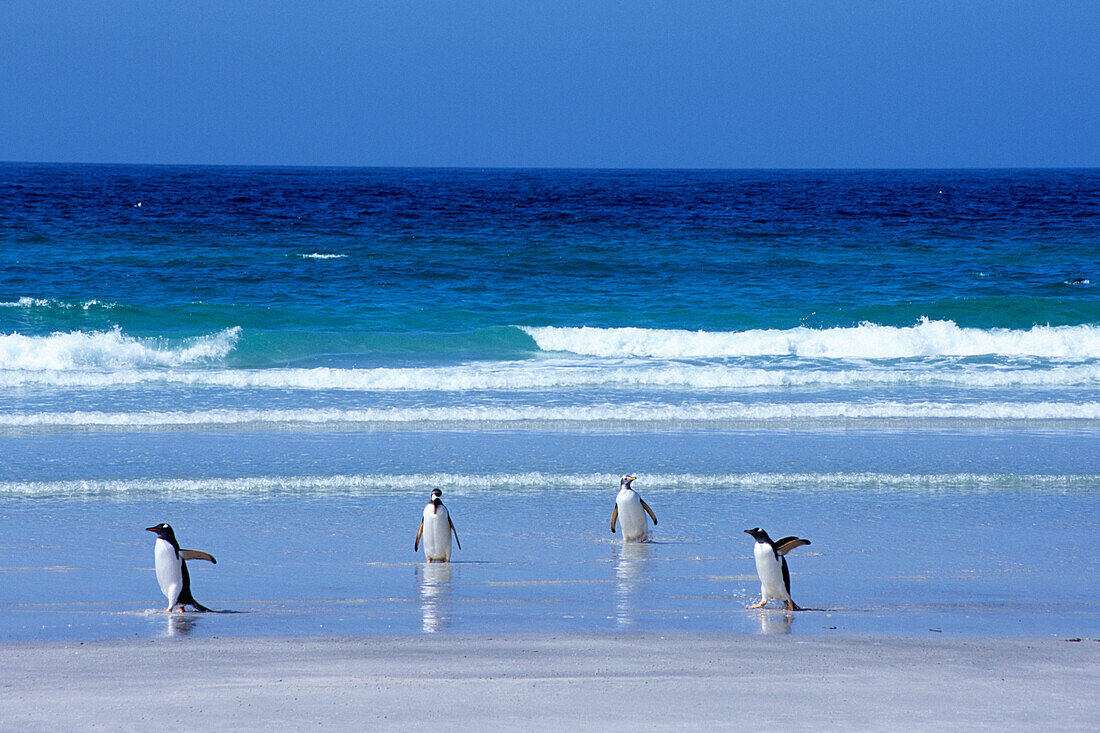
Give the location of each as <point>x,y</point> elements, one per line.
<point>771,566</point>
<point>436,528</point>
<point>628,511</point>
<point>171,564</point>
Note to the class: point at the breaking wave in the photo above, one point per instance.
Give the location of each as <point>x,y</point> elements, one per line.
<point>866,341</point>
<point>79,350</point>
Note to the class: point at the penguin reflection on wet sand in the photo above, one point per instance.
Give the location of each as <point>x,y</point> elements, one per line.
<point>171,564</point>
<point>436,528</point>
<point>771,566</point>
<point>628,511</point>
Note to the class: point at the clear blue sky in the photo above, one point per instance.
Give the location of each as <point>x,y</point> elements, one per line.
<point>728,84</point>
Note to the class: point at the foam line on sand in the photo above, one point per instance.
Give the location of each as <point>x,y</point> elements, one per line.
<point>553,683</point>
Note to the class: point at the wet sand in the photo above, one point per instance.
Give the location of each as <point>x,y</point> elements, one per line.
<point>542,682</point>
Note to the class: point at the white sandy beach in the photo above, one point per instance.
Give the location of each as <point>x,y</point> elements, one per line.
<point>553,683</point>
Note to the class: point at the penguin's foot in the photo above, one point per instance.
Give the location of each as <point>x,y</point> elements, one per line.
<point>791,606</point>
<point>758,605</point>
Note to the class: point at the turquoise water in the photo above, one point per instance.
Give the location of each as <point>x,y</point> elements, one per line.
<point>902,366</point>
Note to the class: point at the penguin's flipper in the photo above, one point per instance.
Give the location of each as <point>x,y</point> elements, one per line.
<point>454,530</point>
<point>787,544</point>
<point>419,533</point>
<point>648,511</point>
<point>197,555</point>
<point>614,518</point>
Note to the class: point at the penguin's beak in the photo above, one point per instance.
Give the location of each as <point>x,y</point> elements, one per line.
<point>748,531</point>
<point>631,478</point>
<point>150,529</point>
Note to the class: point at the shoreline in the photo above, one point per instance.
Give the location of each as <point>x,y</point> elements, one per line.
<point>554,682</point>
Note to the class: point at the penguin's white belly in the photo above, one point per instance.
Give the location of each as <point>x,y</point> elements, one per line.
<point>770,571</point>
<point>169,571</point>
<point>437,534</point>
<point>631,515</point>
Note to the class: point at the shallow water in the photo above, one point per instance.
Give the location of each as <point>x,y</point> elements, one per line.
<point>963,531</point>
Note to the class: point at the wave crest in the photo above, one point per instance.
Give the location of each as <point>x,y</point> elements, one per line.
<point>865,341</point>
<point>80,350</point>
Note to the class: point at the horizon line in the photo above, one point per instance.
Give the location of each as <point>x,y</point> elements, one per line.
<point>304,166</point>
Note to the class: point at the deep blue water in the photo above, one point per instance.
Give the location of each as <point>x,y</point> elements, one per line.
<point>235,345</point>
<point>191,250</point>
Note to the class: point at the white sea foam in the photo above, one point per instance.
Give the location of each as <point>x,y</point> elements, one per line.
<point>26,369</point>
<point>866,341</point>
<point>26,302</point>
<point>602,415</point>
<point>458,484</point>
<point>322,256</point>
<point>80,350</point>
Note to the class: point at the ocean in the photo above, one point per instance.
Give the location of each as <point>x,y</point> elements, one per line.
<point>902,366</point>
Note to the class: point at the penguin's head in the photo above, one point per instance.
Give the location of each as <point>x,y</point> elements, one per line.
<point>759,535</point>
<point>625,481</point>
<point>437,495</point>
<point>163,530</point>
